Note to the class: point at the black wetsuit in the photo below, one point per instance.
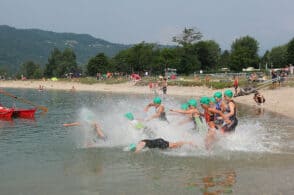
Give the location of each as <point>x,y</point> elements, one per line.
<point>162,116</point>
<point>156,143</point>
<point>234,121</point>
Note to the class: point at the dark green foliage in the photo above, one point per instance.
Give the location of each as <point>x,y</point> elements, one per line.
<point>61,63</point>
<point>31,70</point>
<point>224,61</point>
<point>244,53</point>
<point>290,52</point>
<point>99,63</point>
<point>208,54</point>
<point>278,56</point>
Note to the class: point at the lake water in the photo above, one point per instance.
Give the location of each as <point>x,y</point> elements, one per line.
<point>42,157</point>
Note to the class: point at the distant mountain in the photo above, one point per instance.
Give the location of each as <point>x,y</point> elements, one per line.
<point>20,45</point>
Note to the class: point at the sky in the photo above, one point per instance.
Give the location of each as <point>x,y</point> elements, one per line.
<point>270,22</point>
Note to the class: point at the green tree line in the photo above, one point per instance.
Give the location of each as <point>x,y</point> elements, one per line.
<point>191,54</point>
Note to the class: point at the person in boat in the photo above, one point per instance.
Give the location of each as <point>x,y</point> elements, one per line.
<point>190,108</point>
<point>159,110</point>
<point>209,115</point>
<point>258,98</point>
<point>89,121</point>
<point>157,143</point>
<point>230,112</point>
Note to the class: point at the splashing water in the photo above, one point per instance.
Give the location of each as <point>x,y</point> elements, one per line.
<point>250,136</point>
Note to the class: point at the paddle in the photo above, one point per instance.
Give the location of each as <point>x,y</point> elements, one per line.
<point>45,109</point>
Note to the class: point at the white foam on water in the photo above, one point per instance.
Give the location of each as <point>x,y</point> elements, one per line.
<point>250,136</point>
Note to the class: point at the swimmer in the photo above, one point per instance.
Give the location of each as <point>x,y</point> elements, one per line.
<point>231,112</point>
<point>159,109</point>
<point>137,124</point>
<point>209,113</point>
<point>219,105</point>
<point>190,108</point>
<point>157,143</point>
<point>91,122</point>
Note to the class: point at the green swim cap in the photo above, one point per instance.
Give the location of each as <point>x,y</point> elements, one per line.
<point>204,100</point>
<point>228,93</point>
<point>185,106</point>
<point>129,116</point>
<point>192,102</point>
<point>132,147</point>
<point>217,94</point>
<point>157,100</point>
<point>212,100</point>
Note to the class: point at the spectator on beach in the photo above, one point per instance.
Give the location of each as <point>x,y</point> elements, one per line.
<point>164,86</point>
<point>236,85</point>
<point>274,78</point>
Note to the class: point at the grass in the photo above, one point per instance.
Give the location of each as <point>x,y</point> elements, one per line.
<point>181,81</point>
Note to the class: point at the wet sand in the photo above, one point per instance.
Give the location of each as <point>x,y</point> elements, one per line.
<point>277,100</point>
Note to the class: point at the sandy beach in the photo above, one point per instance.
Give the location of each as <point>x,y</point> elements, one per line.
<point>277,100</point>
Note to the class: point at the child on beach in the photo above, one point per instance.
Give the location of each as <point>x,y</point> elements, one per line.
<point>258,98</point>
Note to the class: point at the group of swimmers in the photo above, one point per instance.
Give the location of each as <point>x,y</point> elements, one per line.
<point>219,112</point>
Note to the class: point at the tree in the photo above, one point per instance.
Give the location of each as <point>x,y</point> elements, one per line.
<point>31,70</point>
<point>224,61</point>
<point>244,53</point>
<point>53,60</point>
<point>278,56</point>
<point>290,52</point>
<point>99,63</point>
<point>208,54</point>
<point>60,63</point>
<point>188,36</point>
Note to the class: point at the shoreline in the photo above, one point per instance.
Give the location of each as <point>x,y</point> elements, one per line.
<point>277,100</point>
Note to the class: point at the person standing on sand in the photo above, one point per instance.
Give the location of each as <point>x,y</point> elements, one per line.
<point>164,85</point>
<point>236,85</point>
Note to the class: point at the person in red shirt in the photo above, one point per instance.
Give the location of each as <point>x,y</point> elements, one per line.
<point>236,85</point>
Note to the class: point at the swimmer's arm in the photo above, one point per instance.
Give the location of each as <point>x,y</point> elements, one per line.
<point>71,124</point>
<point>182,111</point>
<point>226,118</point>
<point>148,106</point>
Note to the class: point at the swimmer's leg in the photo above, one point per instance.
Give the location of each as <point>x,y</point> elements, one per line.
<point>140,146</point>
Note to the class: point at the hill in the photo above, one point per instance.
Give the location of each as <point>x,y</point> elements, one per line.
<point>20,45</point>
